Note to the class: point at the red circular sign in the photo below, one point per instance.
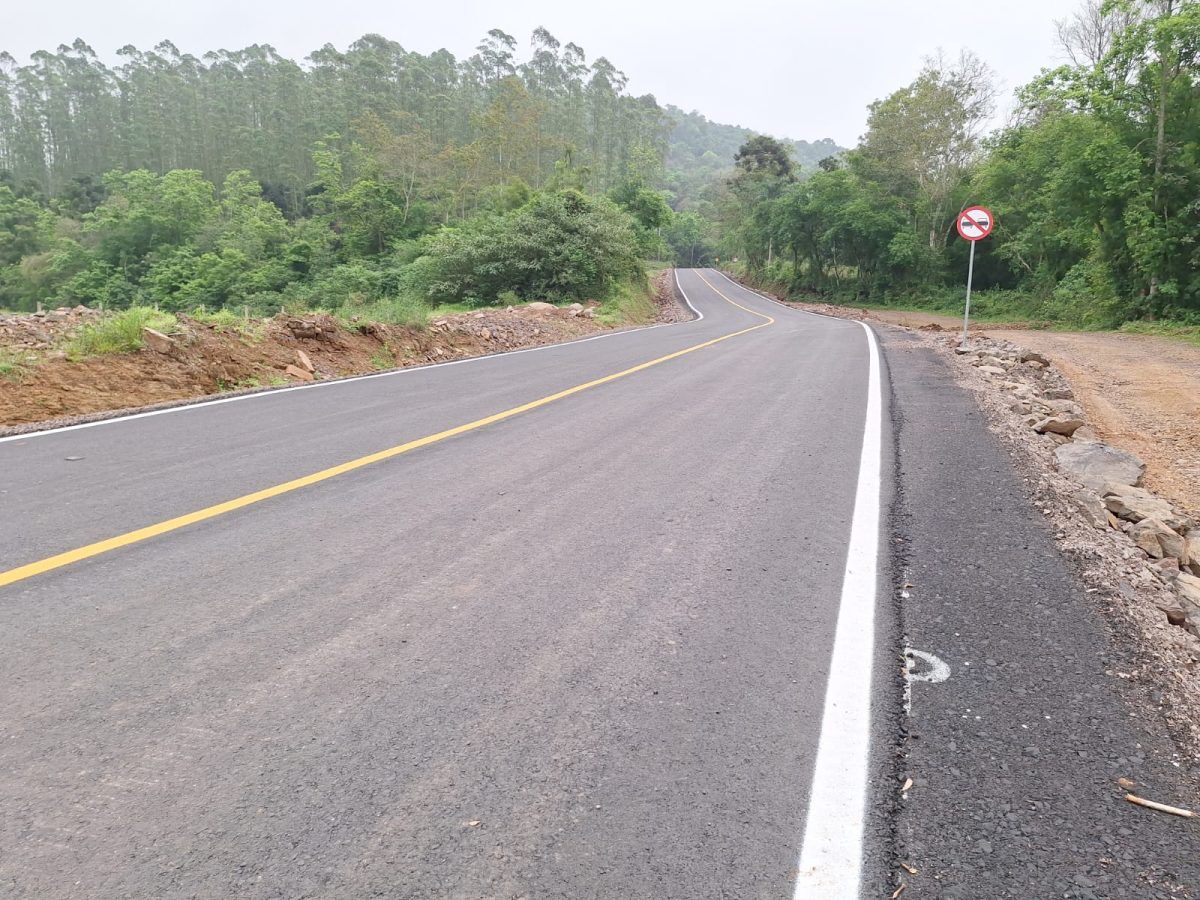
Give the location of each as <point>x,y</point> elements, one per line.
<point>975,223</point>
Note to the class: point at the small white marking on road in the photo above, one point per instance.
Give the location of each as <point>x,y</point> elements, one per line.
<point>832,849</point>
<point>936,673</point>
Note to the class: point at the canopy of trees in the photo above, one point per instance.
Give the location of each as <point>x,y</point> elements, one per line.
<point>468,123</point>
<point>245,179</point>
<point>1094,184</point>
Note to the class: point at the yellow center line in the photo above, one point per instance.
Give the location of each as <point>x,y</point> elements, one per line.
<point>142,534</point>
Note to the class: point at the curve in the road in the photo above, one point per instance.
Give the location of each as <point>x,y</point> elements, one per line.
<point>57,561</point>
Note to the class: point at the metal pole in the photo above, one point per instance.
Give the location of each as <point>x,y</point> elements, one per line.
<point>970,276</point>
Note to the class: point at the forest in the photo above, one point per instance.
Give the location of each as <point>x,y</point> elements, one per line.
<point>1094,184</point>
<point>374,176</point>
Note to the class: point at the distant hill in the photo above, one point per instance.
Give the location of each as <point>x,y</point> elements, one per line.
<point>699,151</point>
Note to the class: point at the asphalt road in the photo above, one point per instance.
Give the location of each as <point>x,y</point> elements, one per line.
<point>559,634</point>
<point>577,652</point>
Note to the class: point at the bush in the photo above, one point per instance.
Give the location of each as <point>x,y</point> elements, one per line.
<point>118,333</point>
<point>562,246</point>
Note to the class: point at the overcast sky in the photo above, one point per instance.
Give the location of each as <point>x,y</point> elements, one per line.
<point>801,69</point>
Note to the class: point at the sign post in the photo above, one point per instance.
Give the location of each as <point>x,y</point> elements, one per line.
<point>974,224</point>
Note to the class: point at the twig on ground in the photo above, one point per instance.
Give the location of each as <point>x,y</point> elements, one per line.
<point>1161,807</point>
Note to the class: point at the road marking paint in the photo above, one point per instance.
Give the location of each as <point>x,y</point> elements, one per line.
<point>273,392</point>
<point>807,312</point>
<point>686,298</point>
<point>936,673</point>
<point>57,561</point>
<point>727,298</point>
<point>831,851</point>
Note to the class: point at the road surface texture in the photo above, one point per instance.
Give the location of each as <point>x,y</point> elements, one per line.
<point>580,648</point>
<point>1015,757</point>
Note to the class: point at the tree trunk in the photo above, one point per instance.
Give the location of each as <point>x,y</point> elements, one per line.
<point>1160,137</point>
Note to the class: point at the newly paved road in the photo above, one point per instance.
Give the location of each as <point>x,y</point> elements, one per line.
<point>579,649</point>
<point>577,652</point>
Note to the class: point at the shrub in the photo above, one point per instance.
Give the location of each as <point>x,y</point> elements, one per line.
<point>118,333</point>
<point>561,246</point>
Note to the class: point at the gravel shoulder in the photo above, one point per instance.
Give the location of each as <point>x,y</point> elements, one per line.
<point>1063,677</point>
<point>1140,392</point>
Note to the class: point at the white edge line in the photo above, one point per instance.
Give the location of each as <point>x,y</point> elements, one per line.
<point>686,298</point>
<point>831,852</point>
<point>807,312</point>
<point>408,370</point>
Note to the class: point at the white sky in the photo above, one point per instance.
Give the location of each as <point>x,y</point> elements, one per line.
<point>801,69</point>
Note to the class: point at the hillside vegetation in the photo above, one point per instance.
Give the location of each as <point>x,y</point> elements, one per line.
<point>374,181</point>
<point>1094,185</point>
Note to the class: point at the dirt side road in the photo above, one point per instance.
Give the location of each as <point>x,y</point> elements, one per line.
<point>1141,392</point>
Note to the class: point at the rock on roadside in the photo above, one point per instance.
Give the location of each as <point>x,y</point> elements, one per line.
<point>1065,425</point>
<point>1135,504</point>
<point>1188,588</point>
<point>157,341</point>
<point>1158,540</point>
<point>1097,465</point>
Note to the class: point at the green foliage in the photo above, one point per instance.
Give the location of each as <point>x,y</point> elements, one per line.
<point>700,154</point>
<point>13,367</point>
<point>366,184</point>
<point>460,125</point>
<point>1188,333</point>
<point>1094,188</point>
<point>690,238</point>
<point>649,210</point>
<point>118,333</point>
<point>631,302</point>
<point>405,310</point>
<point>763,157</point>
<point>383,358</point>
<point>560,246</point>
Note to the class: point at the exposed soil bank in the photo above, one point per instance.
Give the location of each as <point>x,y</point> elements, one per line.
<point>204,360</point>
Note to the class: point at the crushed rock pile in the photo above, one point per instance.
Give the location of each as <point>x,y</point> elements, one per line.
<point>1109,496</point>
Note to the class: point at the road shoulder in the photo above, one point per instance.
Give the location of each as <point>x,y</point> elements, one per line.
<point>1014,759</point>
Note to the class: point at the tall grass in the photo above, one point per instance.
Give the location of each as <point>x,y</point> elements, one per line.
<point>631,303</point>
<point>1188,333</point>
<point>401,310</point>
<point>118,333</point>
<point>13,367</point>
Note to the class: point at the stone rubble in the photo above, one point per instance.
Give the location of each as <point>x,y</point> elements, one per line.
<point>1111,498</point>
<point>40,331</point>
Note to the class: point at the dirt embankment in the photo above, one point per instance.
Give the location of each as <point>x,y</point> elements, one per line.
<point>204,359</point>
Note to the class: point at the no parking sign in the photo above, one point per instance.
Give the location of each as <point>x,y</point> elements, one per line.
<point>974,224</point>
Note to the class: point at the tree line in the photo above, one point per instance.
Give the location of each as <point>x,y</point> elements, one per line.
<point>455,125</point>
<point>373,176</point>
<point>1093,182</point>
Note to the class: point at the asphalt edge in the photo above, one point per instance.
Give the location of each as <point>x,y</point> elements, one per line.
<point>32,429</point>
